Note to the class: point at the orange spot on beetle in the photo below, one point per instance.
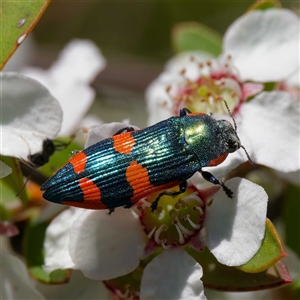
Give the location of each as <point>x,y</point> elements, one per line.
<point>138,178</point>
<point>90,190</point>
<point>123,143</point>
<point>217,160</point>
<point>91,195</point>
<point>79,162</point>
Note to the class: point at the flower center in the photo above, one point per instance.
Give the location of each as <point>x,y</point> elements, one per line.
<point>176,220</point>
<point>216,83</point>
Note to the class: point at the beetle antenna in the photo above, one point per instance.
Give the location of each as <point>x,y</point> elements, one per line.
<point>248,156</point>
<point>235,127</point>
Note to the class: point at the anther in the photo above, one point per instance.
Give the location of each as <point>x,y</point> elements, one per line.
<point>199,209</point>
<point>182,72</point>
<point>164,245</point>
<point>162,228</point>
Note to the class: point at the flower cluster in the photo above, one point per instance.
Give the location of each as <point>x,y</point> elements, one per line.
<point>139,253</point>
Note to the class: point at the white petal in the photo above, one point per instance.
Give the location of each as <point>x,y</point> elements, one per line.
<point>80,61</point>
<point>172,274</point>
<point>4,169</point>
<point>293,80</point>
<point>57,239</point>
<point>104,131</point>
<point>188,61</point>
<point>69,78</point>
<point>107,246</point>
<point>15,283</point>
<point>236,227</point>
<point>29,114</point>
<point>160,103</point>
<point>79,287</point>
<point>264,45</point>
<point>271,121</point>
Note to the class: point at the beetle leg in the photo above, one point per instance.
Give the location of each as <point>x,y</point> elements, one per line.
<point>211,178</point>
<point>129,205</point>
<point>182,189</point>
<point>125,129</point>
<point>111,210</point>
<point>184,111</point>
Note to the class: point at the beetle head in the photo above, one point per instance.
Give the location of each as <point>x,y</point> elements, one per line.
<point>231,138</point>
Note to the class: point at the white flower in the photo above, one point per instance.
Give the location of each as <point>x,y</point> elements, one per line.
<point>68,79</point>
<point>107,246</point>
<point>260,46</point>
<point>30,113</point>
<point>16,284</point>
<point>264,45</point>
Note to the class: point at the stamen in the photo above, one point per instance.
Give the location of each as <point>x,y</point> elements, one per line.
<point>199,209</point>
<point>164,245</point>
<point>182,72</point>
<point>125,294</point>
<point>183,229</point>
<point>151,232</point>
<point>181,238</point>
<point>196,226</point>
<point>162,228</point>
<point>193,196</point>
<point>145,202</point>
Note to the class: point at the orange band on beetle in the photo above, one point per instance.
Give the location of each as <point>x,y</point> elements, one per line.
<point>217,160</point>
<point>123,143</point>
<point>79,162</point>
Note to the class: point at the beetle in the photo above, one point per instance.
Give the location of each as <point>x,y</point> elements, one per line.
<point>132,164</point>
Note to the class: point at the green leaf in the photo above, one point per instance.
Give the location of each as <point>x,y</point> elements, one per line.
<point>291,218</point>
<point>192,36</point>
<point>34,254</point>
<point>221,277</point>
<point>264,4</point>
<point>15,180</point>
<point>17,19</point>
<point>270,252</point>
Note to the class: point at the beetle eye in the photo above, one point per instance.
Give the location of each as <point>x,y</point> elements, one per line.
<point>233,146</point>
